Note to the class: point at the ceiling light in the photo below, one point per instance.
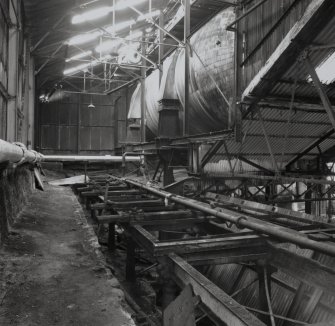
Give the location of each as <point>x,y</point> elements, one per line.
<point>104,11</point>
<point>108,46</point>
<point>84,38</point>
<point>79,56</point>
<point>149,15</point>
<point>120,26</point>
<point>123,4</point>
<point>84,66</point>
<point>134,35</point>
<point>92,15</point>
<point>90,36</point>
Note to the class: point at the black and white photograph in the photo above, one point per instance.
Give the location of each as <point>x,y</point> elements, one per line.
<point>167,162</point>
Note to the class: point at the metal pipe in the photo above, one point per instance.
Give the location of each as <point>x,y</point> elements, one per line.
<point>241,220</point>
<point>17,153</point>
<point>82,158</point>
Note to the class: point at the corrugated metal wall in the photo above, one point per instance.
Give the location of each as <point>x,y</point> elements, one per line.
<point>68,126</point>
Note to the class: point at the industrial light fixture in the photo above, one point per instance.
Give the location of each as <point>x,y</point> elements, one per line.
<point>112,44</point>
<point>84,66</point>
<point>91,36</point>
<point>79,56</point>
<point>84,38</point>
<point>149,15</point>
<point>92,15</point>
<point>104,11</point>
<point>108,46</point>
<point>120,26</point>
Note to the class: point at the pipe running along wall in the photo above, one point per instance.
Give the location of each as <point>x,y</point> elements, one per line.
<point>241,220</point>
<point>80,158</point>
<point>17,153</point>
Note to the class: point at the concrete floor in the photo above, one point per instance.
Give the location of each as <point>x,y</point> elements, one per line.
<point>50,273</point>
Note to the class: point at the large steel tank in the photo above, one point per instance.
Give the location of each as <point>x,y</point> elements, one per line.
<point>214,45</point>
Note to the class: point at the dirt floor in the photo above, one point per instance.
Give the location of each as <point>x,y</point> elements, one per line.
<point>50,272</point>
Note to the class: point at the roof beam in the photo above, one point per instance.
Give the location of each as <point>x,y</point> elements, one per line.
<point>33,48</point>
<point>221,304</point>
<point>49,59</point>
<point>309,148</point>
<point>316,16</point>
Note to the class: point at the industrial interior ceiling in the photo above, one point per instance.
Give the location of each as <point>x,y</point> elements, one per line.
<point>296,114</point>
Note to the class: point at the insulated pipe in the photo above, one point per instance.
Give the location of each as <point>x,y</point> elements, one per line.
<point>17,153</point>
<point>241,220</point>
<point>80,158</point>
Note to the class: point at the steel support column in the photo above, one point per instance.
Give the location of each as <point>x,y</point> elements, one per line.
<point>143,93</point>
<point>187,32</point>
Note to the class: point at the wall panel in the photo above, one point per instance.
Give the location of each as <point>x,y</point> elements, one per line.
<point>68,126</point>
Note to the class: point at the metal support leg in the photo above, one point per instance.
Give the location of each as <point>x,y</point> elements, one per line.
<point>130,262</point>
<point>308,196</point>
<point>111,236</point>
<point>169,287</point>
<point>263,304</point>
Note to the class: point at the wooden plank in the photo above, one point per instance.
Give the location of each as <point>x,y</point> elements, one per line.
<point>221,242</point>
<point>233,256</point>
<point>181,311</point>
<point>38,179</point>
<point>145,217</point>
<point>184,246</point>
<point>136,203</point>
<point>307,270</point>
<point>69,181</point>
<point>220,303</point>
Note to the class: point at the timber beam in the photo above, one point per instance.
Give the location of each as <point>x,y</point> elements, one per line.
<point>316,17</point>
<point>222,243</point>
<point>223,306</point>
<point>145,217</point>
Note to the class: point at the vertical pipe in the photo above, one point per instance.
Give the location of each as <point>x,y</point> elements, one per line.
<point>111,236</point>
<point>31,122</point>
<point>78,123</point>
<point>12,80</point>
<point>130,260</point>
<point>161,46</point>
<point>187,32</point>
<point>237,81</point>
<point>308,203</point>
<point>143,93</point>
